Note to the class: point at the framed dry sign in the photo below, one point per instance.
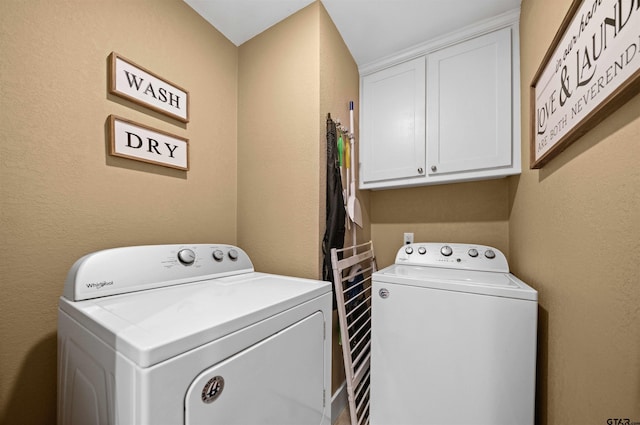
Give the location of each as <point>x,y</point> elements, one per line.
<point>139,142</point>
<point>591,68</point>
<point>134,83</point>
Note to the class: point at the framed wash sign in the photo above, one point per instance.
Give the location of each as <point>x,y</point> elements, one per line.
<point>590,70</point>
<point>134,83</point>
<point>139,142</point>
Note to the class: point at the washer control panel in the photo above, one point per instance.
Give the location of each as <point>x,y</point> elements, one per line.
<point>454,256</point>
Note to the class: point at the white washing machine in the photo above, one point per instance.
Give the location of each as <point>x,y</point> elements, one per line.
<point>191,334</point>
<point>453,339</point>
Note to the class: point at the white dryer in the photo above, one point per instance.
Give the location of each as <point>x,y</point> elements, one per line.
<point>191,334</point>
<point>453,339</point>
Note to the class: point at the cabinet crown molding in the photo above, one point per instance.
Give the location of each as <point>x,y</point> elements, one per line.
<point>509,18</point>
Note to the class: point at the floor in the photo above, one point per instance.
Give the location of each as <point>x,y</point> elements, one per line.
<point>344,418</point>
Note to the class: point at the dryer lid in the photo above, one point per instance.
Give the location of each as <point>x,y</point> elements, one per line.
<point>470,281</point>
<point>154,325</point>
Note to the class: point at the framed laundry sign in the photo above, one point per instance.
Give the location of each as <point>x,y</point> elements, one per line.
<point>139,142</point>
<point>134,83</point>
<point>591,69</point>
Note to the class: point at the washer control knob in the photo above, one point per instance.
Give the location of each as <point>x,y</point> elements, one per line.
<point>233,254</point>
<point>490,254</point>
<point>186,256</point>
<point>218,255</point>
<point>446,250</point>
<point>408,250</point>
<point>422,250</point>
<point>473,252</point>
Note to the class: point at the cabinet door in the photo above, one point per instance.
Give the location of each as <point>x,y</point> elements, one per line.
<point>469,123</point>
<point>393,113</point>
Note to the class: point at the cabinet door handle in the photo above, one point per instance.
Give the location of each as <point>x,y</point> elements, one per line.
<point>434,168</point>
<point>420,170</point>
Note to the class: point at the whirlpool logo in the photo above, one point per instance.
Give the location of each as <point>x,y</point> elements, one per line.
<point>621,421</point>
<point>99,285</point>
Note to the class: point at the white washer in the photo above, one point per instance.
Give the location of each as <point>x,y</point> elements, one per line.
<point>453,339</point>
<point>191,334</point>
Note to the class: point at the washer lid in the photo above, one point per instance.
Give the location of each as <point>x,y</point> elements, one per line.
<point>470,281</point>
<point>154,325</point>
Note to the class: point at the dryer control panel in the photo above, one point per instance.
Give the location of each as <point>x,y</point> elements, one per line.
<point>137,268</point>
<point>454,256</point>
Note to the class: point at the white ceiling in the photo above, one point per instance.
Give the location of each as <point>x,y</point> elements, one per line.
<point>371,29</point>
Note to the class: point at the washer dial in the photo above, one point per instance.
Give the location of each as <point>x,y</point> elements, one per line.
<point>446,250</point>
<point>186,256</point>
<point>218,255</point>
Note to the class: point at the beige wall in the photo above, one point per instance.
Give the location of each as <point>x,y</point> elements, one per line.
<point>62,195</point>
<point>474,212</point>
<point>278,146</point>
<point>290,77</point>
<point>339,82</point>
<point>574,235</point>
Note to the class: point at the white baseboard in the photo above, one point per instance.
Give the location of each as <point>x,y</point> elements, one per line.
<point>338,402</point>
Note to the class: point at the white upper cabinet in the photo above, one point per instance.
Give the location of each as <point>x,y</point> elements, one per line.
<point>394,103</point>
<point>469,105</point>
<point>444,112</point>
